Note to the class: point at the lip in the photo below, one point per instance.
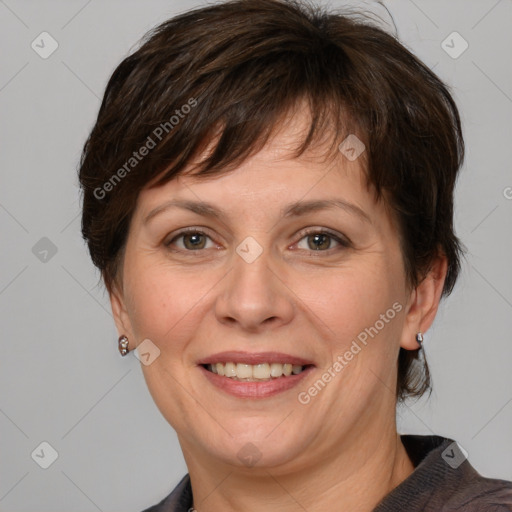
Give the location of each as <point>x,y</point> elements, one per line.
<point>263,389</point>
<point>254,358</point>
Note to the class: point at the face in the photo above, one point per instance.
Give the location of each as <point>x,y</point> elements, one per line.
<point>291,267</point>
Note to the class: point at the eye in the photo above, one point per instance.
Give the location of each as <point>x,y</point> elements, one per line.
<point>321,240</point>
<point>193,240</point>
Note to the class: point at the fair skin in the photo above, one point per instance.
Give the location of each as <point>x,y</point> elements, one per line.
<point>341,450</point>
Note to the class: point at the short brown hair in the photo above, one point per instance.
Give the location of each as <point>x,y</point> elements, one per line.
<point>238,67</point>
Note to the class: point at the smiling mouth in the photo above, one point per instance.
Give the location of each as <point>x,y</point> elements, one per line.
<point>255,373</point>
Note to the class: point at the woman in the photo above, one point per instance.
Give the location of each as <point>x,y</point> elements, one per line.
<point>268,193</point>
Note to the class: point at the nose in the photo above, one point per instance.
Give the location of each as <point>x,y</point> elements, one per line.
<point>255,296</point>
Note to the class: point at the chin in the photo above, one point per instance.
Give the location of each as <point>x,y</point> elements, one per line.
<point>258,446</point>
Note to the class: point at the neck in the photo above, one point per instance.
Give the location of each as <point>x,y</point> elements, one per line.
<point>356,478</point>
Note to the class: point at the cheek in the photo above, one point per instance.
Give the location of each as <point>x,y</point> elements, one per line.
<point>363,311</point>
<point>164,302</point>
<point>350,301</point>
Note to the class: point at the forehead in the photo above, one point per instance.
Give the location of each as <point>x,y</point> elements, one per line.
<point>276,171</point>
<point>266,191</point>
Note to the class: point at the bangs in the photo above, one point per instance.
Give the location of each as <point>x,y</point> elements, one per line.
<point>234,125</point>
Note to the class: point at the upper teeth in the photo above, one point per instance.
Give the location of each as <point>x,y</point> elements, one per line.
<point>256,371</point>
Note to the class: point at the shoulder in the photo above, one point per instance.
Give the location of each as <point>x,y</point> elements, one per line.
<point>444,481</point>
<point>480,494</point>
<point>180,499</point>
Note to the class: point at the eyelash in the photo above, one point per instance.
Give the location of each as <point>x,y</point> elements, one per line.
<point>344,243</point>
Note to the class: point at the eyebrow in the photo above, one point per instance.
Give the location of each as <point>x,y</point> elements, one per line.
<point>292,210</point>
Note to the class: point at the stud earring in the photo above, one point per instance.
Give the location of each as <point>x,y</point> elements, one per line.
<point>123,345</point>
<point>419,339</point>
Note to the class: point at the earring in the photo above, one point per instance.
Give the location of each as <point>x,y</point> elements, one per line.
<point>123,345</point>
<point>419,339</point>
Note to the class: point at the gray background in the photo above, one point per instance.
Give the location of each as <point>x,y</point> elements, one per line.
<point>62,380</point>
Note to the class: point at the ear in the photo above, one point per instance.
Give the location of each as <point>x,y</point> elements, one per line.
<point>423,303</point>
<point>120,312</point>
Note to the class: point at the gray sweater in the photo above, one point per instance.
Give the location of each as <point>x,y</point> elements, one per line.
<point>442,481</point>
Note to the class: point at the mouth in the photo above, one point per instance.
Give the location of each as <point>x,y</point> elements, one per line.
<point>260,375</point>
<point>262,372</point>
